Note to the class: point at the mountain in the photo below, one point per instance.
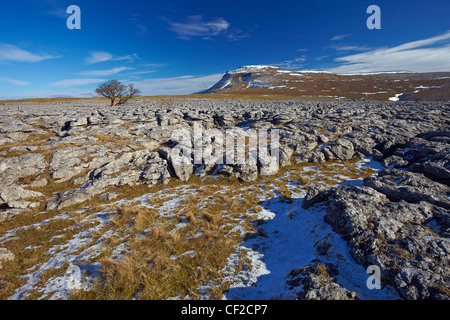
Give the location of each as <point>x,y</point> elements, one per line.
<point>270,80</point>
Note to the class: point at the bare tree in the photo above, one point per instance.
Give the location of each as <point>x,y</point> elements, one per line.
<point>114,90</point>
<point>131,93</point>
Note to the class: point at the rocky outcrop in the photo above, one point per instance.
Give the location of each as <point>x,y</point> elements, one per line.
<point>399,220</point>
<point>411,187</point>
<point>341,149</point>
<point>400,237</point>
<point>316,283</point>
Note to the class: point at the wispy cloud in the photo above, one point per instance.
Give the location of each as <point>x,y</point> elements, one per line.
<point>196,27</point>
<point>98,56</point>
<point>293,64</point>
<point>140,26</point>
<point>103,56</point>
<point>177,85</point>
<point>351,48</point>
<point>236,34</point>
<point>138,74</point>
<point>427,55</point>
<point>320,58</point>
<point>76,82</point>
<point>13,81</point>
<point>11,53</point>
<point>55,8</point>
<point>154,65</point>
<point>340,36</point>
<point>107,72</point>
<point>58,13</point>
<point>143,72</point>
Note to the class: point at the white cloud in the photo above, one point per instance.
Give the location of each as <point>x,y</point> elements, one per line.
<point>236,34</point>
<point>142,72</point>
<point>103,56</point>
<point>351,48</point>
<point>105,72</point>
<point>296,63</point>
<point>13,81</point>
<point>416,56</point>
<point>154,65</point>
<point>98,56</point>
<point>196,27</point>
<point>340,37</point>
<point>177,85</point>
<point>11,53</point>
<point>130,57</point>
<point>76,82</point>
<point>321,58</point>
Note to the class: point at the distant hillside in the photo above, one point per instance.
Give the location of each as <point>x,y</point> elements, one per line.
<point>269,80</point>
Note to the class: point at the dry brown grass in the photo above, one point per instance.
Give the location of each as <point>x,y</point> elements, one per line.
<point>443,290</point>
<point>29,246</point>
<point>150,269</point>
<point>42,100</point>
<point>321,270</point>
<point>32,141</point>
<point>114,141</point>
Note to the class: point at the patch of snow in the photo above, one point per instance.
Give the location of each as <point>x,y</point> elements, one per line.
<point>247,276</point>
<point>369,162</point>
<point>274,87</point>
<point>429,87</point>
<point>396,98</point>
<point>290,243</point>
<point>178,226</point>
<point>190,254</point>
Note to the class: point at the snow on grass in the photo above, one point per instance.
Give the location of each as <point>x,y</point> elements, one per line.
<point>83,246</point>
<point>428,87</point>
<point>374,92</point>
<point>59,255</point>
<point>290,241</point>
<point>10,233</point>
<point>174,198</point>
<point>190,254</point>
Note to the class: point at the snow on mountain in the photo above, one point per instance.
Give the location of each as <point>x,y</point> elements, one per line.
<point>272,80</point>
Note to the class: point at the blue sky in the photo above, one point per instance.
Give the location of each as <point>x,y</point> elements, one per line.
<point>179,47</point>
